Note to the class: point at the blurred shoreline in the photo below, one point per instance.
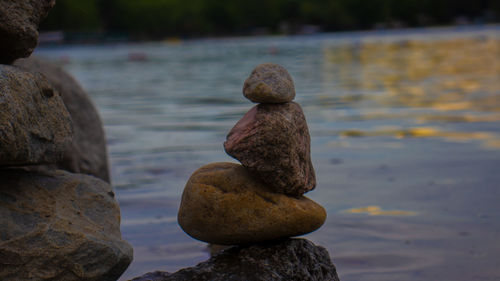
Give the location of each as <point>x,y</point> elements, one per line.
<point>58,37</point>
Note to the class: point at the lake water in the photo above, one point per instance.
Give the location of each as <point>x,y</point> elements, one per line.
<point>405,141</point>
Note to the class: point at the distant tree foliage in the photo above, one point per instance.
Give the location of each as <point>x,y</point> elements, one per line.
<point>163,18</point>
<point>74,15</point>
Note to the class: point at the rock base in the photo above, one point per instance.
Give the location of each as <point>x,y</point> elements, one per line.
<point>290,260</point>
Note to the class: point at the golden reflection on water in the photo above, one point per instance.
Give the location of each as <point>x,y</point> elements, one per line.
<point>437,80</point>
<point>489,140</point>
<point>377,211</point>
<point>466,118</point>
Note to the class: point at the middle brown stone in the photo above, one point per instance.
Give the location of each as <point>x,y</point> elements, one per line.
<point>272,141</point>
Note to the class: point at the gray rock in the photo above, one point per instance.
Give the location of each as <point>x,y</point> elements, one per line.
<point>288,260</point>
<point>59,226</point>
<point>272,141</point>
<point>19,22</point>
<point>35,127</point>
<point>269,83</point>
<point>87,153</point>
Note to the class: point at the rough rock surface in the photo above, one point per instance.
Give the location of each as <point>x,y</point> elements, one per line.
<point>35,127</point>
<point>59,226</point>
<point>288,260</point>
<point>87,153</point>
<point>19,22</point>
<point>273,142</point>
<point>269,83</point>
<point>223,204</point>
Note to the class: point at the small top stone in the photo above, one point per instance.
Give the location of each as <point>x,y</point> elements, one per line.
<point>269,83</point>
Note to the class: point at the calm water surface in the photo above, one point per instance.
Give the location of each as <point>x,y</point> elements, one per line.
<point>405,141</point>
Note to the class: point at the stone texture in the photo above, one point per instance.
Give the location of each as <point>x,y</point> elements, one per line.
<point>269,83</point>
<point>19,22</point>
<point>273,142</point>
<point>223,204</point>
<point>288,260</point>
<point>35,127</point>
<point>87,153</point>
<point>59,226</point>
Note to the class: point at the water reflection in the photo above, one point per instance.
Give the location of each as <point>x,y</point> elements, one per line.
<point>419,73</point>
<point>377,211</point>
<point>488,140</point>
<point>425,81</point>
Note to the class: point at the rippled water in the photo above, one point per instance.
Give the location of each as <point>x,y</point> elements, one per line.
<point>405,141</point>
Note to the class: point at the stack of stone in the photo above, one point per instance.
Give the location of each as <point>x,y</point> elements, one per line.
<point>262,199</point>
<point>55,224</point>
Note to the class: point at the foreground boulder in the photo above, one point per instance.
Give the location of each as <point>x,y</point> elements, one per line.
<point>19,20</point>
<point>288,260</point>
<point>87,153</point>
<point>272,141</point>
<point>35,127</point>
<point>59,226</point>
<point>223,204</point>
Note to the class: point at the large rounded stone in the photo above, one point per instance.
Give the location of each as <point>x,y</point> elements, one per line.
<point>273,142</point>
<point>59,226</point>
<point>87,153</point>
<point>19,20</point>
<point>35,127</point>
<point>269,83</point>
<point>288,260</point>
<point>223,204</point>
